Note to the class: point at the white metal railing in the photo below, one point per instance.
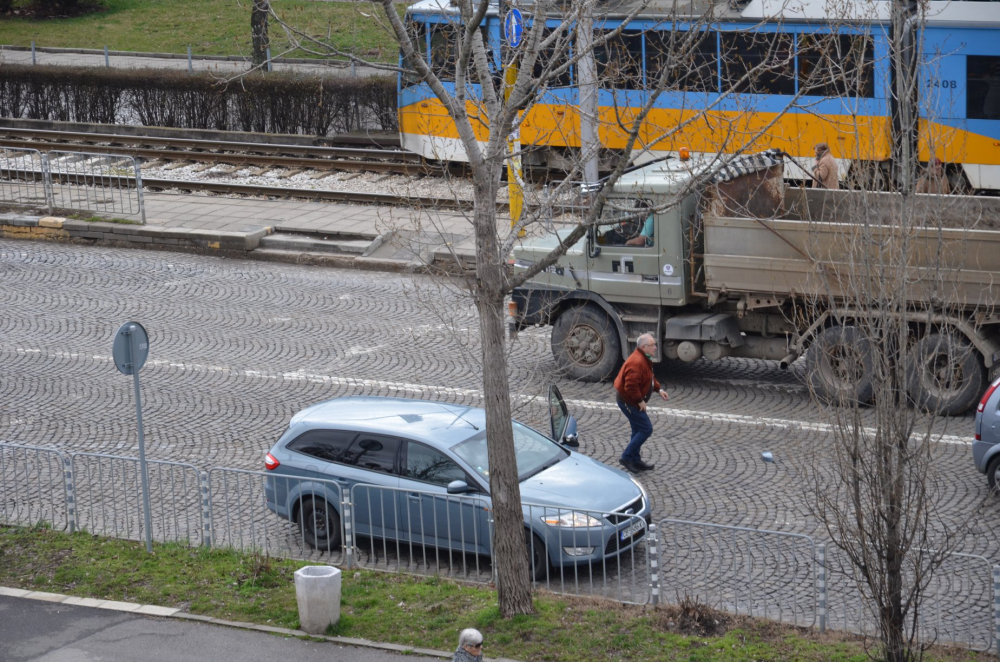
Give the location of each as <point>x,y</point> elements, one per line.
<point>76,181</point>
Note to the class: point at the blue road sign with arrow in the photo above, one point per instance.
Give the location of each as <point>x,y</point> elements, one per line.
<point>513,28</point>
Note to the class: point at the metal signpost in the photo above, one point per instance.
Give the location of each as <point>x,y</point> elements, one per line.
<point>130,349</point>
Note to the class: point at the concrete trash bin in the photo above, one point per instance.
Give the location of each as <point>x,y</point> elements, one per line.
<point>317,590</point>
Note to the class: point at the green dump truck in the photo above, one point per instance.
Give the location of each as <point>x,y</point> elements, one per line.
<point>748,266</point>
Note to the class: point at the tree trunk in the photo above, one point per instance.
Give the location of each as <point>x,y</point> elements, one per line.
<point>258,31</point>
<point>510,555</point>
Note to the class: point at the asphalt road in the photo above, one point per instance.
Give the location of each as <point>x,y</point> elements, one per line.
<point>36,631</point>
<point>237,347</point>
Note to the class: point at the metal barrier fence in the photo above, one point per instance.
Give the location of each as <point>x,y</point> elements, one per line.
<point>956,607</point>
<point>21,183</point>
<point>33,487</point>
<point>80,181</point>
<point>109,498</point>
<point>422,532</point>
<point>295,517</point>
<point>769,574</point>
<point>95,182</point>
<point>595,553</point>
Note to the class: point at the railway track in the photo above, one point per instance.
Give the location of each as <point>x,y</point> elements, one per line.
<point>150,149</point>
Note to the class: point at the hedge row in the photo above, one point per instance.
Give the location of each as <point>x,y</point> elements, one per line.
<point>272,103</point>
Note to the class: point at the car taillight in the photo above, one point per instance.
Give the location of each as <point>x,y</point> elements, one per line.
<point>986,396</point>
<point>270,462</point>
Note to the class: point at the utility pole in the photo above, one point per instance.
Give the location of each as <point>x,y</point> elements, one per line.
<point>587,74</point>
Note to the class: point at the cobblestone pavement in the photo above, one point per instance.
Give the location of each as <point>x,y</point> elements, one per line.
<point>237,347</point>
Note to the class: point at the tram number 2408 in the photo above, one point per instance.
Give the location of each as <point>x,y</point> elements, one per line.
<point>943,83</point>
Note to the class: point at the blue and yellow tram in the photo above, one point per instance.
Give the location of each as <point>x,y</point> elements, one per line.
<point>785,108</point>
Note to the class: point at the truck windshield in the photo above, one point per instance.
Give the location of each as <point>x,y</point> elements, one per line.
<point>534,452</point>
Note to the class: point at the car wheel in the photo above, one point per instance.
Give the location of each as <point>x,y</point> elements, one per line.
<point>839,366</point>
<point>993,473</point>
<point>585,344</point>
<point>538,558</point>
<point>945,375</point>
<point>320,524</point>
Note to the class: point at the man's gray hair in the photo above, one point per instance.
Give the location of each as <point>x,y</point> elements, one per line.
<point>644,340</point>
<point>470,637</point>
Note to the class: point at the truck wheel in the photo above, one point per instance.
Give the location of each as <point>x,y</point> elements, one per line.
<point>945,374</point>
<point>839,366</point>
<point>585,344</point>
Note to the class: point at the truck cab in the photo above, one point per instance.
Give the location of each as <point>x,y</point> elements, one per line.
<point>620,280</point>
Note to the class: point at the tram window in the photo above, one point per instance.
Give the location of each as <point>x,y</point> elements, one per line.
<point>836,65</point>
<point>758,62</point>
<point>693,59</point>
<point>444,50</point>
<point>619,61</point>
<point>418,33</point>
<point>558,54</point>
<point>983,87</point>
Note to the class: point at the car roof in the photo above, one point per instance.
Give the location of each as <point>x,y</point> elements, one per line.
<point>436,423</point>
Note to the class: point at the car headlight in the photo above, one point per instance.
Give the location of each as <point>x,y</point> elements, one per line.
<point>572,520</point>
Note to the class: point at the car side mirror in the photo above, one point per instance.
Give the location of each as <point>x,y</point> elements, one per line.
<point>458,487</point>
<point>570,436</point>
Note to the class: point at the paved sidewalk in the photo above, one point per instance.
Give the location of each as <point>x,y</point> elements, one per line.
<point>324,233</point>
<point>235,214</point>
<point>407,233</point>
<point>47,627</point>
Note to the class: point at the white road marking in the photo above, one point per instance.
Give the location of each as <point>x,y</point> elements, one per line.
<point>425,389</point>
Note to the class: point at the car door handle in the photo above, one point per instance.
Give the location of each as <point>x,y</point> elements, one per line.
<point>413,497</point>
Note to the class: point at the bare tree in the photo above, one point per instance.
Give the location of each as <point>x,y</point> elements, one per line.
<point>483,120</point>
<point>259,13</point>
<point>888,353</point>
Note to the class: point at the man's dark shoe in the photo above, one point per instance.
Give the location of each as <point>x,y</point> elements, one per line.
<point>643,466</point>
<point>629,465</point>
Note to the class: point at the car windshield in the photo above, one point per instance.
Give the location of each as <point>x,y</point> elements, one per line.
<point>535,452</point>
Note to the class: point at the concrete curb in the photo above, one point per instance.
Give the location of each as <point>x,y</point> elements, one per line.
<point>245,245</point>
<point>170,612</point>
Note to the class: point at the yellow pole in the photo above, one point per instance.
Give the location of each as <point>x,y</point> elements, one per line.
<point>514,172</point>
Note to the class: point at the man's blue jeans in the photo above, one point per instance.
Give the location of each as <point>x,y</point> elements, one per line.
<point>642,427</point>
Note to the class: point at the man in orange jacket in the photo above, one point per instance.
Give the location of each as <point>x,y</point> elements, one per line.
<point>634,385</point>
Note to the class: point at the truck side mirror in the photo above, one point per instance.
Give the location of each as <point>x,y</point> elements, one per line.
<point>593,248</point>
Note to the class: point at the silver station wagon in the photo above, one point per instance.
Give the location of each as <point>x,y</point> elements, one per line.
<point>986,446</point>
<point>417,472</point>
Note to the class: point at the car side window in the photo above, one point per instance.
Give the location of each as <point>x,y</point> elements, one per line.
<point>329,445</point>
<point>373,452</point>
<point>431,466</point>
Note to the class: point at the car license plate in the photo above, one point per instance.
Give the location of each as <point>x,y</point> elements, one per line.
<point>632,529</point>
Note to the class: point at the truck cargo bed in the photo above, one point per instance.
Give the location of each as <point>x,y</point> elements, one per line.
<point>815,243</point>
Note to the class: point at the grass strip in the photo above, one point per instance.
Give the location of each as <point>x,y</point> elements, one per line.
<point>401,609</point>
<point>210,27</point>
